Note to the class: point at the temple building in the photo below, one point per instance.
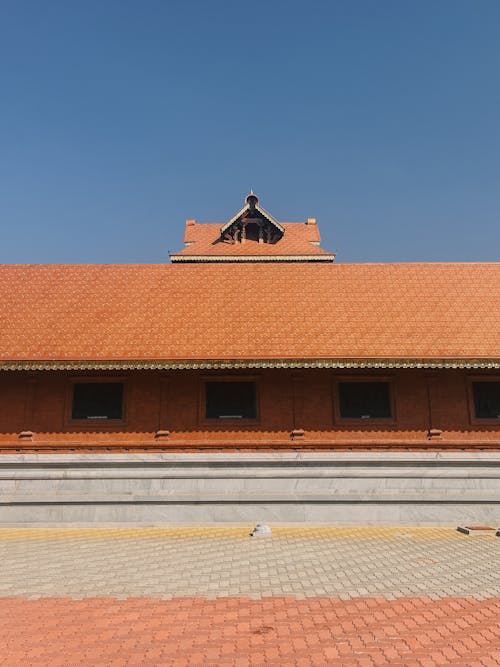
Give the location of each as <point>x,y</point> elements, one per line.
<point>254,377</point>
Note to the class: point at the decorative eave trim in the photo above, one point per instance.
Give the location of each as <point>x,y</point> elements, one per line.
<point>252,258</point>
<point>258,208</point>
<point>235,364</point>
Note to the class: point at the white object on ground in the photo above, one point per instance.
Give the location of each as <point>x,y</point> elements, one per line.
<point>261,530</point>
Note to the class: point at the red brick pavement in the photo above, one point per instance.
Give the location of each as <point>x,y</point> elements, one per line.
<point>145,632</point>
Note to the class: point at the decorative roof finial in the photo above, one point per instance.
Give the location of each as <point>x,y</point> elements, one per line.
<point>252,200</point>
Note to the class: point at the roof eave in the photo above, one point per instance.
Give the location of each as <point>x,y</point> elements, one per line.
<point>230,364</point>
<point>253,258</point>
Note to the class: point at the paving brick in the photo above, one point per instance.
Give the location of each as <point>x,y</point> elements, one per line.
<point>140,597</point>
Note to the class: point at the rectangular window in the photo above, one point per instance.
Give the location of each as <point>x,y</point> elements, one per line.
<point>97,400</point>
<point>364,400</point>
<point>486,400</point>
<point>230,400</point>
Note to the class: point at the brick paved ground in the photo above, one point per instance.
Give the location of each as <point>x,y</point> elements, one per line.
<point>213,596</point>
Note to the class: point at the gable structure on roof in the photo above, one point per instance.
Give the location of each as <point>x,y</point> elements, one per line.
<point>252,222</point>
<point>252,235</point>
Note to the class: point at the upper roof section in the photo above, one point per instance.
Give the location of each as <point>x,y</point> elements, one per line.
<point>252,235</point>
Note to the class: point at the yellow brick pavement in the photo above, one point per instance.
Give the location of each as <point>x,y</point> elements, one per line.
<point>221,532</point>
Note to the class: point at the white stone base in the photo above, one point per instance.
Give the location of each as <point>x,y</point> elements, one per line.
<point>335,488</point>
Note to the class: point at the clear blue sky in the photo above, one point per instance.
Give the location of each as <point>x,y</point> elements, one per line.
<point>120,119</point>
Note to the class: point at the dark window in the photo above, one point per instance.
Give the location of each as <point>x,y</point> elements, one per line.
<point>364,400</point>
<point>486,399</point>
<point>230,400</point>
<point>97,400</point>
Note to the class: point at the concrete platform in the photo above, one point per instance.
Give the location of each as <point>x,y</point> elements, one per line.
<point>343,488</point>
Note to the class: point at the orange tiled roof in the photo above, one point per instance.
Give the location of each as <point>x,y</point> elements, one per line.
<point>299,240</point>
<point>249,311</point>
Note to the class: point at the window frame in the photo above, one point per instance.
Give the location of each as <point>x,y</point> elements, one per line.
<point>473,420</point>
<point>92,423</point>
<point>202,403</point>
<point>387,379</point>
